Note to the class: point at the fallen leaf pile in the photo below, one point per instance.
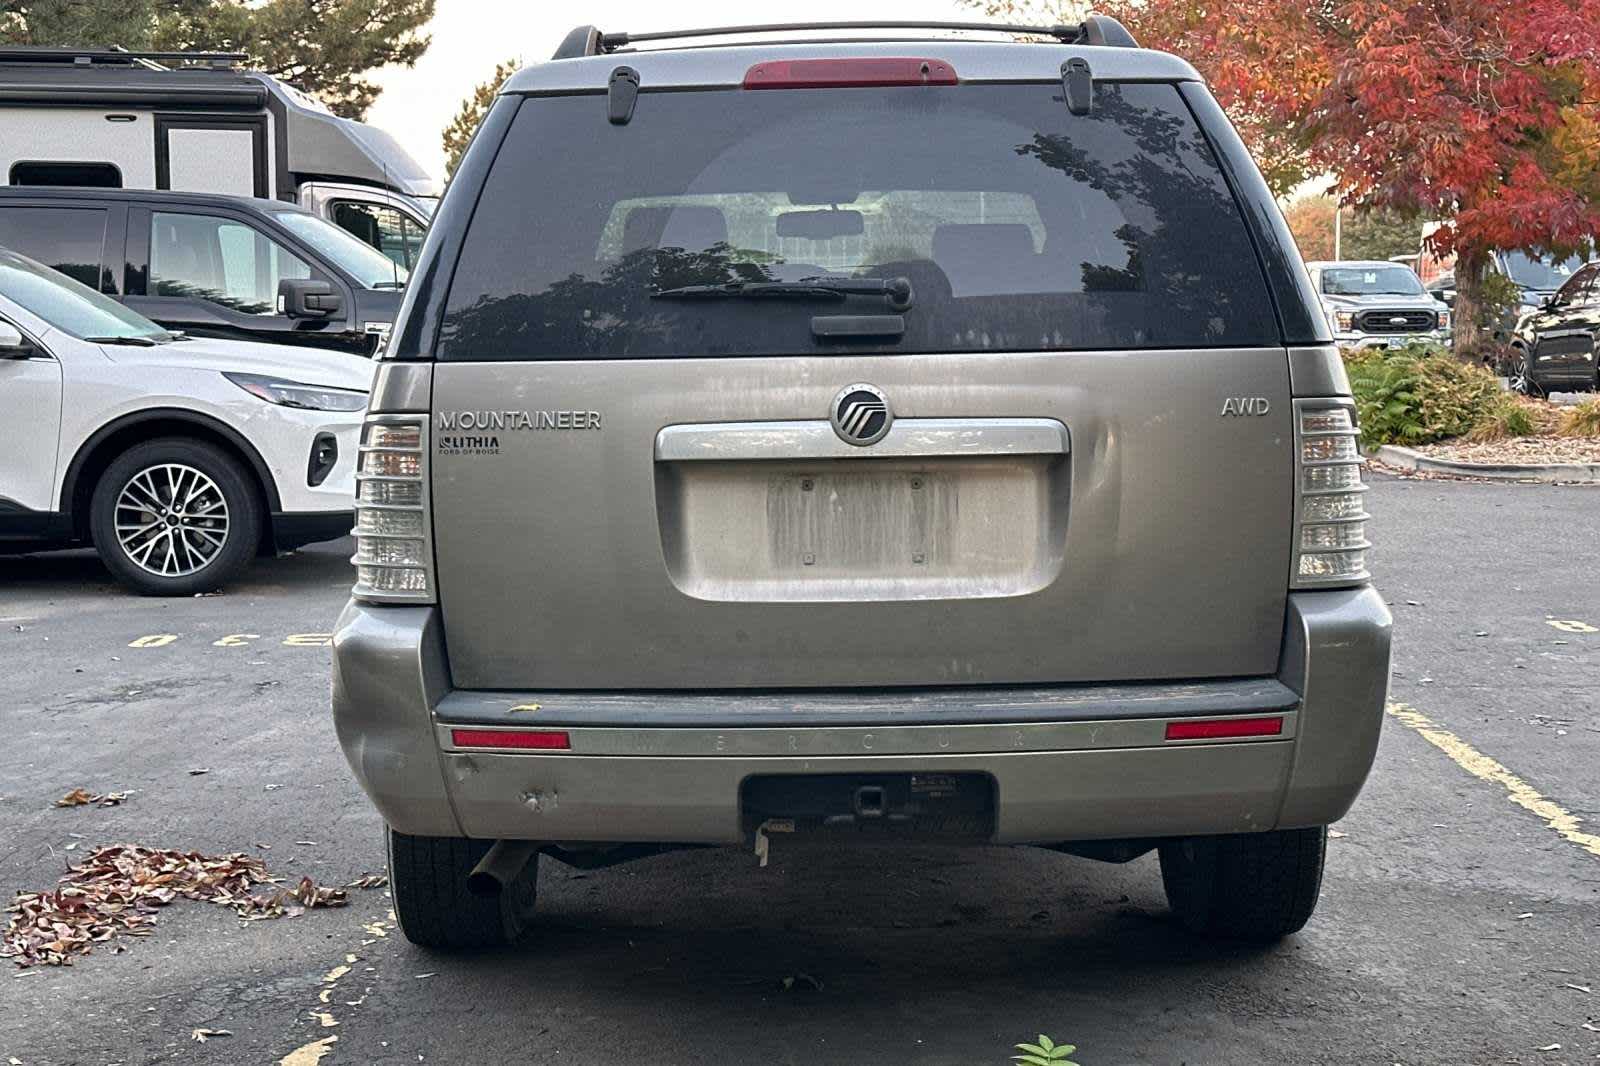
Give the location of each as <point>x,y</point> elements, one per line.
<point>82,797</point>
<point>117,889</point>
<point>291,902</point>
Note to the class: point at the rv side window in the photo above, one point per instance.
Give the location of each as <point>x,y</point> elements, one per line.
<point>90,175</point>
<point>386,229</point>
<point>69,239</point>
<point>219,259</point>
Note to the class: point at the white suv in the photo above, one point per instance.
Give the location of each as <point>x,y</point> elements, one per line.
<point>179,459</point>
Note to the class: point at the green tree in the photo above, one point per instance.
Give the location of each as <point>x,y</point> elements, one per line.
<point>1363,233</point>
<point>458,134</point>
<point>322,47</point>
<point>1379,234</point>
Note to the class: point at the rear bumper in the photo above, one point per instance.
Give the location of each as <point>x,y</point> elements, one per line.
<point>1068,763</point>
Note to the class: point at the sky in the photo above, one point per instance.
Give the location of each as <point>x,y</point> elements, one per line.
<point>471,36</point>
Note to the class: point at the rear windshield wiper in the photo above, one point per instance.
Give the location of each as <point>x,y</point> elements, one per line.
<point>136,342</point>
<point>897,291</point>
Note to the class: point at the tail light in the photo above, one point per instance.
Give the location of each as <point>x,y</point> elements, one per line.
<point>394,546</point>
<point>1330,547</point>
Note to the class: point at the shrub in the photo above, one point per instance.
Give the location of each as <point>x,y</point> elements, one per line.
<point>1511,417</point>
<point>1419,394</point>
<point>1582,420</point>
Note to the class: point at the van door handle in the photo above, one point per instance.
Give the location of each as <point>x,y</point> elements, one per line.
<point>908,438</point>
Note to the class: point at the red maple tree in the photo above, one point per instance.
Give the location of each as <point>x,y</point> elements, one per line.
<point>1484,114</point>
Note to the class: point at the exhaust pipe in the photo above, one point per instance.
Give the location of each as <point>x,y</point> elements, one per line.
<point>500,866</point>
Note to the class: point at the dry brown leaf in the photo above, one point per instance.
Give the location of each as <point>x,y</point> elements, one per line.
<point>116,890</point>
<point>290,902</point>
<point>82,797</point>
<point>202,1035</point>
<point>369,881</point>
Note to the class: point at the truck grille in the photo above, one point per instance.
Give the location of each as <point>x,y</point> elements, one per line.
<point>1396,321</point>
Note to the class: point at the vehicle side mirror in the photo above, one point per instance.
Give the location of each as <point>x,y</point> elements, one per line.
<point>308,298</point>
<point>13,345</point>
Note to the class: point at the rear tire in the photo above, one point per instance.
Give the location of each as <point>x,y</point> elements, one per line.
<point>428,880</point>
<point>1251,886</point>
<point>175,516</point>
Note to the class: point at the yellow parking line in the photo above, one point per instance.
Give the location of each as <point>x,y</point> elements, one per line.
<point>1480,765</point>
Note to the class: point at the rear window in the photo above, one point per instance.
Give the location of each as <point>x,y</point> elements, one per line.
<point>1019,225</point>
<point>68,239</point>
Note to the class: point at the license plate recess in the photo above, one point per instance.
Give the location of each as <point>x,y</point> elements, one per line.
<point>922,806</point>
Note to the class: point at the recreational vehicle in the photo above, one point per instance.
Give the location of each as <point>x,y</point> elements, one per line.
<point>198,122</point>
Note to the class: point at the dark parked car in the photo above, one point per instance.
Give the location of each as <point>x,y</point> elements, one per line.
<point>1553,348</point>
<point>1537,278</point>
<point>212,266</point>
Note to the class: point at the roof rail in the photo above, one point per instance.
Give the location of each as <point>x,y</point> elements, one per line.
<point>1094,30</point>
<point>88,57</point>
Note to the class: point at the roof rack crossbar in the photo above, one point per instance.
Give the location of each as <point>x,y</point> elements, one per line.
<point>1093,30</point>
<point>612,41</point>
<point>89,56</point>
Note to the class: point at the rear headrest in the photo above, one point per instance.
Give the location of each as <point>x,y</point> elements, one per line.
<point>694,229</point>
<point>985,258</point>
<point>642,228</point>
<point>966,243</point>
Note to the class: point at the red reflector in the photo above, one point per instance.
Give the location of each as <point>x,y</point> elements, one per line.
<point>848,73</point>
<point>1231,727</point>
<point>507,738</point>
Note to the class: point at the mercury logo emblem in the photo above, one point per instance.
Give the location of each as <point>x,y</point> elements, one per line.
<point>861,415</point>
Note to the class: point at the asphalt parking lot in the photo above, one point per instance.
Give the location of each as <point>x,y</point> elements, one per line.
<point>1459,923</point>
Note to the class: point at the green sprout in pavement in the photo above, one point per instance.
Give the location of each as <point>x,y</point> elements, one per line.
<point>1045,1053</point>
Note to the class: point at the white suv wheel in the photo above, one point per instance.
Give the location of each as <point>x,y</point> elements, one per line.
<point>172,520</point>
<point>176,516</point>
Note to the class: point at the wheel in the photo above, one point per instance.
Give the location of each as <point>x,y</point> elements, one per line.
<point>428,881</point>
<point>1252,886</point>
<point>175,516</point>
<point>1520,374</point>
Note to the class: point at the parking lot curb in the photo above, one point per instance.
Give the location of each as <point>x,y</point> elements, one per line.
<point>1564,473</point>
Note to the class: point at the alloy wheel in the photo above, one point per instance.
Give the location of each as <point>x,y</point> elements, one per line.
<point>171,520</point>
<point>1518,378</point>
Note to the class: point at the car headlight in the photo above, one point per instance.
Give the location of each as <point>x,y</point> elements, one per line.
<point>1344,321</point>
<point>287,393</point>
<point>1444,320</point>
